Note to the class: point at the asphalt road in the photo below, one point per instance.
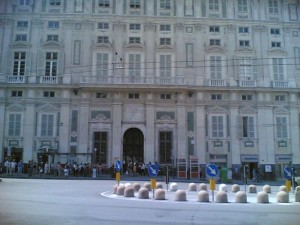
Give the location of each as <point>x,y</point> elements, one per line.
<point>68,202</point>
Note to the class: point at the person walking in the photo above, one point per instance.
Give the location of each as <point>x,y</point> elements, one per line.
<point>12,167</point>
<point>7,166</point>
<point>20,167</point>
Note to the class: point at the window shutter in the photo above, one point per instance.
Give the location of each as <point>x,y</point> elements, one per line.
<point>28,63</point>
<point>60,68</point>
<point>41,63</point>
<point>240,126</point>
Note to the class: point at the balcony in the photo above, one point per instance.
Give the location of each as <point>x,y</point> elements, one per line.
<point>247,83</point>
<point>48,80</point>
<point>280,84</point>
<point>217,83</point>
<point>16,79</point>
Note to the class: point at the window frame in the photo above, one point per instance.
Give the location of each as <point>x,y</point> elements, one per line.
<point>19,65</point>
<point>214,29</point>
<point>135,4</point>
<point>165,4</point>
<point>103,26</point>
<point>104,3</point>
<point>14,124</point>
<point>217,128</point>
<point>165,41</point>
<point>242,6</point>
<point>134,40</point>
<point>281,127</point>
<point>53,24</point>
<point>248,127</point>
<point>51,65</point>
<point>165,146</point>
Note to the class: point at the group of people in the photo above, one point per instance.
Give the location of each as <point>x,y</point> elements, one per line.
<point>11,166</point>
<point>136,168</point>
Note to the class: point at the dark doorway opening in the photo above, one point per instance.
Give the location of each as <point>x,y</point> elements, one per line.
<point>133,146</point>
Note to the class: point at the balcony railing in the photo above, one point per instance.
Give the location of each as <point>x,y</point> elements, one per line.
<point>16,79</point>
<point>48,80</point>
<point>247,83</point>
<point>280,84</point>
<point>217,83</point>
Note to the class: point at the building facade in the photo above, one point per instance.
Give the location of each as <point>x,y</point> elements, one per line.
<point>172,81</point>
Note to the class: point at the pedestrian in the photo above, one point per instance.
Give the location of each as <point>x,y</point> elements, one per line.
<point>20,167</point>
<point>7,166</point>
<point>12,167</point>
<point>46,168</point>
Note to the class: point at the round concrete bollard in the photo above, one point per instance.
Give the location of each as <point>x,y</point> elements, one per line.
<point>192,187</point>
<point>148,186</point>
<point>282,197</point>
<point>180,195</point>
<point>282,188</point>
<point>223,187</point>
<point>203,196</point>
<point>221,197</point>
<point>262,197</point>
<point>143,193</point>
<point>128,185</point>
<point>202,187</point>
<point>159,186</point>
<point>159,194</point>
<point>115,189</point>
<point>173,187</point>
<point>240,197</point>
<point>129,191</point>
<point>120,190</point>
<point>252,188</point>
<point>267,188</point>
<point>297,194</point>
<point>136,187</point>
<point>235,188</point>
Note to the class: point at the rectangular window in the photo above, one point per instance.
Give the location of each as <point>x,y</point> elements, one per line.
<point>248,127</point>
<point>102,64</point>
<point>19,63</point>
<point>49,94</point>
<point>275,31</point>
<point>213,5</point>
<point>165,96</point>
<point>134,65</point>
<point>134,40</point>
<point>101,95</point>
<point>281,127</point>
<point>279,98</point>
<point>101,146</point>
<point>243,29</point>
<point>216,97</point>
<point>215,67</point>
<point>278,69</point>
<point>214,29</point>
<point>51,64</point>
<point>24,2</point>
<point>133,95</point>
<point>54,2</point>
<point>22,24</point>
<point>165,27</point>
<point>16,93</point>
<point>216,42</point>
<point>276,44</point>
<point>53,24</point>
<point>165,41</point>
<point>217,126</point>
<point>247,97</point>
<point>245,67</point>
<point>21,37</point>
<point>103,26</point>
<point>273,6</point>
<point>244,43</point>
<point>165,4</point>
<point>165,147</point>
<point>242,6</point>
<point>102,39</point>
<point>103,3</point>
<point>165,65</point>
<point>135,4</point>
<point>52,37</point>
<point>14,125</point>
<point>47,128</point>
<point>134,26</point>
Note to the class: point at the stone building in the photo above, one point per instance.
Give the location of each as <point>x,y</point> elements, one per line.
<point>180,82</point>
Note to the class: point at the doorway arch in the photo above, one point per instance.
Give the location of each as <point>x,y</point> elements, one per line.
<point>133,145</point>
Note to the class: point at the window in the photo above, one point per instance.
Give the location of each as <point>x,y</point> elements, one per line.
<point>165,96</point>
<point>165,4</point>
<point>165,147</point>
<point>281,127</point>
<point>279,98</point>
<point>165,27</point>
<point>102,64</point>
<point>248,127</point>
<point>215,67</point>
<point>273,6</point>
<point>16,93</point>
<point>247,97</point>
<point>24,2</point>
<point>165,41</point>
<point>165,65</point>
<point>275,31</point>
<point>102,39</point>
<point>215,42</point>
<point>244,43</point>
<point>134,26</point>
<point>213,5</point>
<point>245,67</point>
<point>14,125</point>
<point>276,44</point>
<point>22,24</point>
<point>135,65</point>
<point>217,127</point>
<point>278,69</point>
<point>103,3</point>
<point>21,37</point>
<point>49,94</point>
<point>47,125</point>
<point>243,29</point>
<point>103,26</point>
<point>214,29</point>
<point>216,97</point>
<point>134,40</point>
<point>53,24</point>
<point>54,2</point>
<point>52,37</point>
<point>135,4</point>
<point>101,95</point>
<point>51,64</point>
<point>133,95</point>
<point>242,6</point>
<point>19,63</point>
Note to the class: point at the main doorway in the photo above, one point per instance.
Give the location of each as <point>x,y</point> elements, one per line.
<point>133,146</point>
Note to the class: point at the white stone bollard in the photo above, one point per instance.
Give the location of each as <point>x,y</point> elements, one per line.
<point>297,194</point>
<point>240,197</point>
<point>129,191</point>
<point>223,187</point>
<point>267,188</point>
<point>148,186</point>
<point>282,188</point>
<point>221,197</point>
<point>115,189</point>
<point>235,188</point>
<point>203,196</point>
<point>192,187</point>
<point>262,197</point>
<point>173,187</point>
<point>120,190</point>
<point>128,185</point>
<point>143,193</point>
<point>202,187</point>
<point>180,195</point>
<point>159,186</point>
<point>282,197</point>
<point>136,187</point>
<point>159,194</point>
<point>252,188</point>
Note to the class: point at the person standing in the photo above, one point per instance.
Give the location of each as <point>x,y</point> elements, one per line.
<point>7,166</point>
<point>13,167</point>
<point>20,167</point>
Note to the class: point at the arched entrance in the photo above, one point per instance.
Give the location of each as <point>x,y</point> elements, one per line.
<point>133,146</point>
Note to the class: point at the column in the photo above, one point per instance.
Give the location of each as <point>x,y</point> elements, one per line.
<point>29,135</point>
<point>83,138</point>
<point>295,149</point>
<point>150,132</point>
<point>64,136</point>
<point>200,134</point>
<point>181,130</point>
<point>116,132</point>
<point>234,156</point>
